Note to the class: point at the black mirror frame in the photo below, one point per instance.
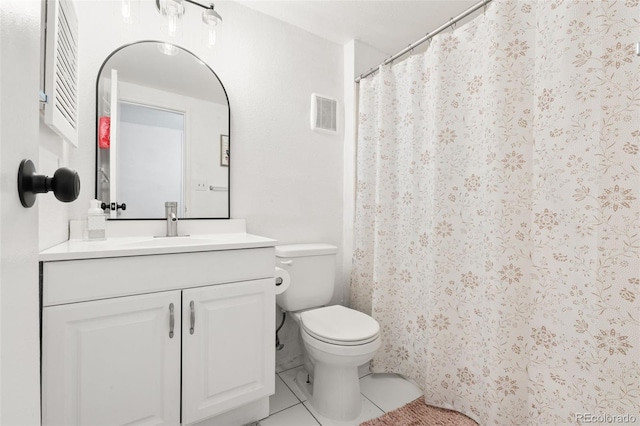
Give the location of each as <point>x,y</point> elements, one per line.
<point>96,177</point>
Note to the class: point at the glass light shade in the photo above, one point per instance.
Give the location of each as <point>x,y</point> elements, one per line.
<point>167,7</point>
<point>211,34</point>
<point>172,11</point>
<point>128,10</point>
<point>211,19</point>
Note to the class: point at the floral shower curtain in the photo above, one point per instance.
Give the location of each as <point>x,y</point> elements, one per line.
<point>498,214</point>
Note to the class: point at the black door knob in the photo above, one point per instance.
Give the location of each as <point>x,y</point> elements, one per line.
<point>65,184</point>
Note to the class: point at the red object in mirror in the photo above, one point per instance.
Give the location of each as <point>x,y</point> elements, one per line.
<point>104,132</point>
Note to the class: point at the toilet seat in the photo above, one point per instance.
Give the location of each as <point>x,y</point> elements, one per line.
<point>341,326</point>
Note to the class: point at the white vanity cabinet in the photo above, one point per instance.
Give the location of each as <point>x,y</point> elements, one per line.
<point>223,347</point>
<point>157,340</point>
<point>112,362</point>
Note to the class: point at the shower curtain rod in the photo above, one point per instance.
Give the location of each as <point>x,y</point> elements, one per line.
<point>427,37</point>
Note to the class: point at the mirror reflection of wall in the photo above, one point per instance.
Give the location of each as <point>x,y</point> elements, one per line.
<point>151,155</point>
<point>159,101</point>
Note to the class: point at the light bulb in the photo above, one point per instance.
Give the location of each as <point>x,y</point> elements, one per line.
<point>212,35</point>
<point>172,24</point>
<point>172,10</point>
<point>211,18</point>
<point>126,11</point>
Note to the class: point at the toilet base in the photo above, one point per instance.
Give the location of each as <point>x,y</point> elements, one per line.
<point>305,387</point>
<point>334,394</point>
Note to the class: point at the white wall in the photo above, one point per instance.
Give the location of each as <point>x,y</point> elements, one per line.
<point>367,57</point>
<point>53,217</point>
<point>19,317</point>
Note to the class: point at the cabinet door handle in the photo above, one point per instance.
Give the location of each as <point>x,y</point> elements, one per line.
<point>193,317</point>
<point>172,320</point>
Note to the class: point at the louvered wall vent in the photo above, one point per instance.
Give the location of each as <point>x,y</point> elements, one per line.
<point>61,69</point>
<point>324,114</point>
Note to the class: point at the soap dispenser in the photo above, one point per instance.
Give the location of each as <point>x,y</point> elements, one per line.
<point>96,221</point>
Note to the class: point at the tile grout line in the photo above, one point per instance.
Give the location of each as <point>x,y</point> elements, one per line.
<point>286,408</point>
<point>294,394</point>
<point>374,404</point>
<point>369,399</point>
<point>288,369</point>
<point>309,411</point>
<point>288,387</point>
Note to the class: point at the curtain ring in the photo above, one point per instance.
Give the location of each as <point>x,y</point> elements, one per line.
<point>452,24</point>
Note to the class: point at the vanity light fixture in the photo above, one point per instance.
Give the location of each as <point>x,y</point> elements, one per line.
<point>173,11</point>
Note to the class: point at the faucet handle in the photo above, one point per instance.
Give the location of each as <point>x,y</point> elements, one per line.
<point>171,204</point>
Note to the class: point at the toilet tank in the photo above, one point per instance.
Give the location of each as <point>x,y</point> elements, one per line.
<point>312,270</point>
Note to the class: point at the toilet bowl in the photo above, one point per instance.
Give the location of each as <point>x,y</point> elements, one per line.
<point>336,339</point>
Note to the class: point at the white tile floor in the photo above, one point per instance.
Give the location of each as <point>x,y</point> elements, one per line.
<point>380,393</point>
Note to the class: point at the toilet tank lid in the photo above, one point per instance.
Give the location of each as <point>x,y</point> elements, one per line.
<point>298,250</point>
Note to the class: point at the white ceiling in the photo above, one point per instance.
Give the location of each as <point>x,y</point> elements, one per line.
<point>388,25</point>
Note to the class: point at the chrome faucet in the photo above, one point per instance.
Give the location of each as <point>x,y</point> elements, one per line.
<point>171,213</point>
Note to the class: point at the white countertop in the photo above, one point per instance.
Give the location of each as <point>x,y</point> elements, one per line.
<point>143,246</point>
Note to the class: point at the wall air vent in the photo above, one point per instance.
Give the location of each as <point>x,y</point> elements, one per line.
<point>324,114</point>
<point>61,69</point>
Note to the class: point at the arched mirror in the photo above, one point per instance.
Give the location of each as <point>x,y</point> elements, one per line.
<point>162,134</point>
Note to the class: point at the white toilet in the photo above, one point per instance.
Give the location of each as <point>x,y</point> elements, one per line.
<point>337,339</point>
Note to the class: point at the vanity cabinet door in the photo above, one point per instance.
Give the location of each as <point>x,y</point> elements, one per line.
<point>228,354</point>
<point>112,362</point>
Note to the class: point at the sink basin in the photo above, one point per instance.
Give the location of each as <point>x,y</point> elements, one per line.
<point>172,241</point>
